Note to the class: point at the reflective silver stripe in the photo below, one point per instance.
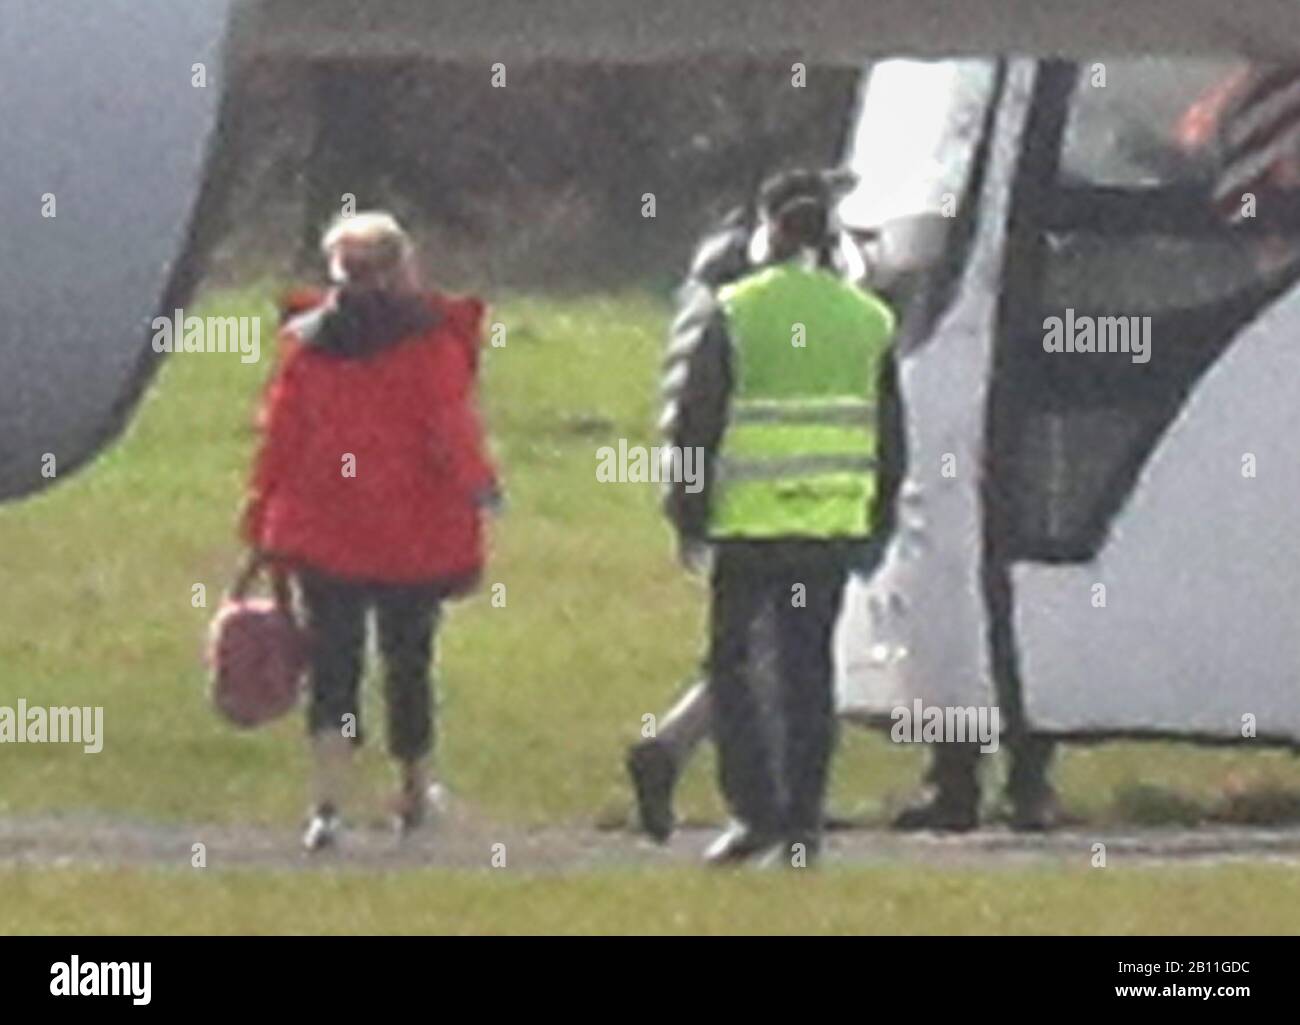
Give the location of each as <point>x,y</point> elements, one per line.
<point>780,467</point>
<point>758,412</point>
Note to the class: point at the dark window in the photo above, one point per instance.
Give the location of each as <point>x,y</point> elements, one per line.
<point>1126,229</point>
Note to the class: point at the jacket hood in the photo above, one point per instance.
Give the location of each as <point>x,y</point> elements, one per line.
<point>354,323</point>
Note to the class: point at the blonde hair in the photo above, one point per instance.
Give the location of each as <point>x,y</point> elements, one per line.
<point>367,248</point>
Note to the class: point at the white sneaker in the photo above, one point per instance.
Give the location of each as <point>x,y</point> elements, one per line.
<point>437,800</point>
<point>420,807</point>
<point>739,844</point>
<point>322,830</point>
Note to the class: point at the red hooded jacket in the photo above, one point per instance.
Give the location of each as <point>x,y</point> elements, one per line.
<point>373,464</point>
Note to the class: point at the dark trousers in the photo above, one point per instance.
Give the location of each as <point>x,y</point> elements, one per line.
<point>801,584</point>
<point>406,618</point>
<point>954,768</point>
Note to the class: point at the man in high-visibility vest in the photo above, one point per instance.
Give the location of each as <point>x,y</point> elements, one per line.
<point>781,393</point>
<point>732,249</point>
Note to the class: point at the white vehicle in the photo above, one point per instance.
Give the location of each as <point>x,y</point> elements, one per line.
<point>1104,540</point>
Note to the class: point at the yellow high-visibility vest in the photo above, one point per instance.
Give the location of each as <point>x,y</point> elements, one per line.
<point>798,458</point>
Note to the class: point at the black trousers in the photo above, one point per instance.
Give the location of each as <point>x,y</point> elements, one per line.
<point>954,768</point>
<point>406,618</point>
<point>801,584</point>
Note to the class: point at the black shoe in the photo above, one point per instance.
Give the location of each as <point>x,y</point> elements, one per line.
<point>740,844</point>
<point>801,850</point>
<point>654,776</point>
<point>1035,812</point>
<point>941,813</point>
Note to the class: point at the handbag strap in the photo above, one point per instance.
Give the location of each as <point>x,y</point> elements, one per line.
<point>253,566</point>
<point>281,590</point>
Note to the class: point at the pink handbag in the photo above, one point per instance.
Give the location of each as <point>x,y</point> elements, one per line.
<point>257,654</point>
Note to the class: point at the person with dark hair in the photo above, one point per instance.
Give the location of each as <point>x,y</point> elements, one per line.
<point>736,246</point>
<point>369,488</point>
<point>656,763</point>
<point>781,389</point>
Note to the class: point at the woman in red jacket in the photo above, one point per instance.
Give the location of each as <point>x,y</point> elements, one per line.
<point>370,487</point>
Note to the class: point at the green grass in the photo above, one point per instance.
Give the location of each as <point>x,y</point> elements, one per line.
<point>538,698</point>
<point>895,900</point>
